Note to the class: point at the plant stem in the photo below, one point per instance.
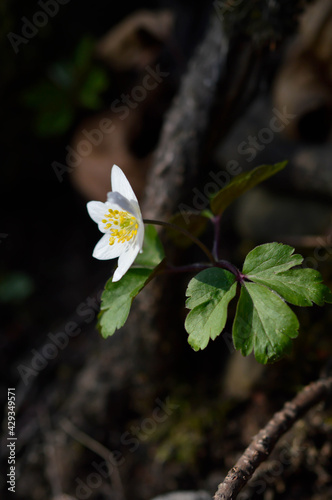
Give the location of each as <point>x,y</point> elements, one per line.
<point>186,269</point>
<point>216,223</point>
<point>186,233</point>
<point>224,264</point>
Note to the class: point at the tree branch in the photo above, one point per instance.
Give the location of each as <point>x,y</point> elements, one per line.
<point>264,442</point>
<point>183,138</point>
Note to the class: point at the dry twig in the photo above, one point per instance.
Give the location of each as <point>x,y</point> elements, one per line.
<point>264,442</point>
<point>100,450</point>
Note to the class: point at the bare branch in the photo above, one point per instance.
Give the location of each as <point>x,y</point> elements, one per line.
<point>264,442</point>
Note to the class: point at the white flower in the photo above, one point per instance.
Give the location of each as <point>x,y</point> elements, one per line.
<point>121,220</point>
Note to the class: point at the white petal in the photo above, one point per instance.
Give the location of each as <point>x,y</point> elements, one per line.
<point>126,259</point>
<point>140,235</point>
<point>117,201</point>
<point>120,184</point>
<point>104,251</point>
<point>136,211</point>
<point>97,210</point>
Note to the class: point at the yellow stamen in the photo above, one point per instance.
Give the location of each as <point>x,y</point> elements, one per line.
<point>121,225</point>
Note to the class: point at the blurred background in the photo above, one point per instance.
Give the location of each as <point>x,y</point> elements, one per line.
<point>87,85</point>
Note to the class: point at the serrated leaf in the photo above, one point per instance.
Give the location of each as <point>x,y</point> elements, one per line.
<point>271,257</point>
<point>117,299</point>
<point>195,225</point>
<point>153,250</point>
<point>242,183</point>
<point>118,296</point>
<point>301,287</point>
<point>270,265</point>
<point>209,294</point>
<point>263,323</point>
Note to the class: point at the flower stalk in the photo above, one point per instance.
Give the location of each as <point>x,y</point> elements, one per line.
<point>186,233</point>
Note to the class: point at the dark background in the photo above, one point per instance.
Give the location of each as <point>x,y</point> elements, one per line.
<point>47,270</point>
<point>46,252</point>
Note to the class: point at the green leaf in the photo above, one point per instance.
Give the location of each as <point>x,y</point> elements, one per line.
<point>242,183</point>
<point>196,226</point>
<point>15,287</point>
<point>95,82</point>
<point>270,265</point>
<point>209,294</point>
<point>263,323</point>
<point>301,287</point>
<point>118,297</point>
<point>153,251</point>
<point>270,257</point>
<point>53,111</point>
<point>50,124</point>
<point>84,53</point>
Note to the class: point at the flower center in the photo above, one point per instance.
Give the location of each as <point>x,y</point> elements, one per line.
<point>121,225</point>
